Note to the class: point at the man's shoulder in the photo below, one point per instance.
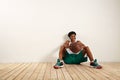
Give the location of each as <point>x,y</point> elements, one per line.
<point>78,41</point>
<point>67,41</point>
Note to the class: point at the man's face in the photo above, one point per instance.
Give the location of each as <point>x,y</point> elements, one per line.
<point>73,37</point>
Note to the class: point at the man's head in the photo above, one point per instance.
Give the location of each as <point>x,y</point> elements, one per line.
<point>72,35</point>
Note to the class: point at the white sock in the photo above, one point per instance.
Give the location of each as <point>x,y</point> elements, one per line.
<point>92,61</point>
<point>61,60</point>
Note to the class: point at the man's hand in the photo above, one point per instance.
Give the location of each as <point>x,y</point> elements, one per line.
<point>66,44</point>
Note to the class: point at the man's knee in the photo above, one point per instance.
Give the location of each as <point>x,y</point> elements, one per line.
<point>86,47</point>
<point>62,47</point>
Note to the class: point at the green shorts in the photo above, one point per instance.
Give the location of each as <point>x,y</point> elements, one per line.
<point>74,58</point>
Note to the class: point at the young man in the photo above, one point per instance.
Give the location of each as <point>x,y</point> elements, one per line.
<point>73,52</point>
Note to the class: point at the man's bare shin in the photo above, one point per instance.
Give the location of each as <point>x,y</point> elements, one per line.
<point>61,52</point>
<point>89,53</point>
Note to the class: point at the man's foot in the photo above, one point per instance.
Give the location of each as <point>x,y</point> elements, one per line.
<point>58,64</point>
<point>95,64</point>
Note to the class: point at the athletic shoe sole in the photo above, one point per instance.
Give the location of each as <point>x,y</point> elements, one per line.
<point>58,67</point>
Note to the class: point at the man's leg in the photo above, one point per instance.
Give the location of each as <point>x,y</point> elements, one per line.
<point>93,62</point>
<point>61,52</point>
<point>59,63</point>
<point>87,51</point>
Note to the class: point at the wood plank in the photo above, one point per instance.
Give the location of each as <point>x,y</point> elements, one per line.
<point>30,71</point>
<point>47,72</point>
<point>53,73</point>
<point>17,72</point>
<point>4,65</point>
<point>42,72</point>
<point>92,73</point>
<point>78,73</point>
<point>109,70</point>
<point>23,73</point>
<point>87,76</point>
<point>5,68</point>
<point>12,72</point>
<point>9,70</point>
<point>96,72</point>
<point>66,74</point>
<point>36,71</point>
<point>71,72</point>
<point>60,74</point>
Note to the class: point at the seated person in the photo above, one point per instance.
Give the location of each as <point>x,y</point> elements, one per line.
<point>73,52</point>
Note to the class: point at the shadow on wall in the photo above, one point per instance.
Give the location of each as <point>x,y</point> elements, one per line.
<point>50,57</point>
<point>65,37</point>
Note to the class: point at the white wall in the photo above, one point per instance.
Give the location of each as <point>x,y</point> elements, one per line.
<point>33,30</point>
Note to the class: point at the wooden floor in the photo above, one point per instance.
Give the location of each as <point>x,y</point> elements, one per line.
<point>45,71</point>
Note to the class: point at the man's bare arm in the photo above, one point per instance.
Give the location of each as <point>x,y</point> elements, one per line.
<point>81,44</point>
<point>66,44</point>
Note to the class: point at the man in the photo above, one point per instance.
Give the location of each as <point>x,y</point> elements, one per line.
<point>73,52</point>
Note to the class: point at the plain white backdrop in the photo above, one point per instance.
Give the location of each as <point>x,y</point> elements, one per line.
<point>33,30</point>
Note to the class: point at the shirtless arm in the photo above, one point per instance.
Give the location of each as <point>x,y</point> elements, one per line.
<point>62,49</point>
<point>81,44</point>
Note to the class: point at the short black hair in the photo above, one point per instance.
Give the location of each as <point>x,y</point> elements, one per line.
<point>71,32</point>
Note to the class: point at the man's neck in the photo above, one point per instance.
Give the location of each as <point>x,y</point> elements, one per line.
<point>73,41</point>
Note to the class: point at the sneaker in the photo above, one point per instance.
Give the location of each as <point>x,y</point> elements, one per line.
<point>58,64</point>
<point>95,64</point>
